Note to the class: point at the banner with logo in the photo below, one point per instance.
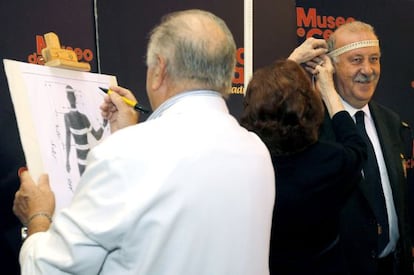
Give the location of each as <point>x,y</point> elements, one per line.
<point>121,33</point>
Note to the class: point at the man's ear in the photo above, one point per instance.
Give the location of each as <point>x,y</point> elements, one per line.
<point>159,73</point>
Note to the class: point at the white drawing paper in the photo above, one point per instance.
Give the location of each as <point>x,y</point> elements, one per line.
<point>59,120</point>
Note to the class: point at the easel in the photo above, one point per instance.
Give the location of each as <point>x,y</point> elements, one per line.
<point>55,56</point>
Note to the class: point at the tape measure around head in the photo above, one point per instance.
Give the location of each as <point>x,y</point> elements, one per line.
<point>353,46</point>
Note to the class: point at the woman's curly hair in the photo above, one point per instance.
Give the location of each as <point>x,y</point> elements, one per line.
<point>282,108</point>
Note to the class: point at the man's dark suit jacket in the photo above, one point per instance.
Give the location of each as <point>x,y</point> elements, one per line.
<point>358,225</point>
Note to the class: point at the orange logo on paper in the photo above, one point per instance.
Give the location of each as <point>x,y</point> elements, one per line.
<point>319,26</point>
<point>36,57</point>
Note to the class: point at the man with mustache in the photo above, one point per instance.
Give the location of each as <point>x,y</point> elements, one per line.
<point>374,228</point>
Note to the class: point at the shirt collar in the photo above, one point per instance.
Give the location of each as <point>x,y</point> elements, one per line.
<point>173,100</point>
<point>352,110</point>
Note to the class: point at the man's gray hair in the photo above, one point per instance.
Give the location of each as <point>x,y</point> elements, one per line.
<point>192,55</point>
<point>354,26</point>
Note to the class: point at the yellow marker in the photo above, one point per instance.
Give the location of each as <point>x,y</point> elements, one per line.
<point>130,102</point>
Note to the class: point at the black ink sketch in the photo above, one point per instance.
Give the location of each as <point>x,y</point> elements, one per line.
<point>77,127</point>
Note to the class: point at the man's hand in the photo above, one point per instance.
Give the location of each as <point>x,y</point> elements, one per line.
<point>34,205</point>
<point>114,109</point>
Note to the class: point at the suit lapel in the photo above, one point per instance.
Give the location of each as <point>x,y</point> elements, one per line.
<point>388,131</point>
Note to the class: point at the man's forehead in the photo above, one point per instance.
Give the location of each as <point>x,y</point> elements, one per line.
<point>344,37</point>
<point>353,42</point>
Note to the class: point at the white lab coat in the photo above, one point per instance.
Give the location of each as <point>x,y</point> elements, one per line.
<point>189,192</point>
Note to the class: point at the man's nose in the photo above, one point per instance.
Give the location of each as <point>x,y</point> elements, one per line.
<point>367,68</point>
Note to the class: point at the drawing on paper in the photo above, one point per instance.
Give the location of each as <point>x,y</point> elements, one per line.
<point>59,120</point>
<point>78,126</point>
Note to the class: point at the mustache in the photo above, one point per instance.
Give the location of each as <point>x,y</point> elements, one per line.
<point>363,78</point>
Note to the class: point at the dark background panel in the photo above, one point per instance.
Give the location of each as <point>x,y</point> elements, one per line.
<point>122,43</point>
<point>274,31</point>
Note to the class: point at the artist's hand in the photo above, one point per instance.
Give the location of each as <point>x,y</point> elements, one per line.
<point>32,199</point>
<point>114,109</point>
<point>308,50</point>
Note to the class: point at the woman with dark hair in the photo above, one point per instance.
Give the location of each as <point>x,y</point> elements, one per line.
<point>313,178</point>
